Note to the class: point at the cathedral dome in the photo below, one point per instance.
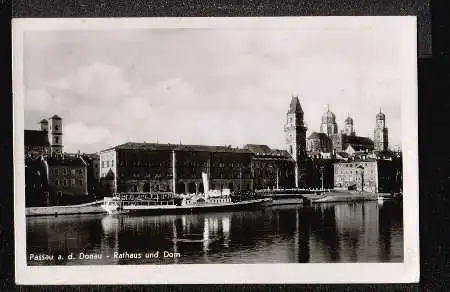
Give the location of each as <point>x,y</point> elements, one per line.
<point>349,120</point>
<point>329,117</point>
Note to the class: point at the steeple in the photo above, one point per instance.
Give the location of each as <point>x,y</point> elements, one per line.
<point>328,124</point>
<point>295,106</point>
<point>295,133</point>
<point>381,141</point>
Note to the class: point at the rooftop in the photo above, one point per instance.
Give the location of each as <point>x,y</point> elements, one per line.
<point>55,117</point>
<point>295,106</point>
<point>65,160</point>
<point>177,147</point>
<point>36,138</point>
<point>316,135</point>
<point>264,150</point>
<point>358,140</point>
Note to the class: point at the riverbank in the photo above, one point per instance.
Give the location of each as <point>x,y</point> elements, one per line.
<point>278,199</point>
<point>87,208</point>
<point>332,196</point>
<point>341,196</point>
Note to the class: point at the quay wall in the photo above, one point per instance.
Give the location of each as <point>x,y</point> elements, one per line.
<point>88,208</point>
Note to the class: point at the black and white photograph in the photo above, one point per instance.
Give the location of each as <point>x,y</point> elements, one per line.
<point>181,150</point>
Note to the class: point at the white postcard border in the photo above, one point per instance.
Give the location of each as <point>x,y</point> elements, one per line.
<point>405,272</point>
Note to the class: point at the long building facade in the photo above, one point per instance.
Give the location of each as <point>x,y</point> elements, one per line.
<point>144,167</point>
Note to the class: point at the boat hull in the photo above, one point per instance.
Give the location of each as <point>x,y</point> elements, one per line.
<point>194,208</point>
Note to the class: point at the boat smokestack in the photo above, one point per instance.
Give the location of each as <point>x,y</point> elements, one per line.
<point>205,184</point>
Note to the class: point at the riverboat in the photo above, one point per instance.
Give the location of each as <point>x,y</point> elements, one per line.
<point>166,202</point>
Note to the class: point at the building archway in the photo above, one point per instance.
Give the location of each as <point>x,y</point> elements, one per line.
<point>179,188</point>
<point>191,188</point>
<point>230,186</point>
<point>201,188</point>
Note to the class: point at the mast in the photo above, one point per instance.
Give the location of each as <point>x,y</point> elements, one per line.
<point>278,180</point>
<point>240,179</point>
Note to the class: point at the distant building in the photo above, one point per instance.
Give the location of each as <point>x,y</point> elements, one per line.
<point>328,124</point>
<point>295,132</point>
<point>36,180</point>
<point>381,133</point>
<point>318,143</point>
<point>271,168</point>
<point>47,140</point>
<point>320,172</point>
<point>348,127</point>
<point>342,142</point>
<point>369,174</point>
<point>36,143</point>
<point>67,175</point>
<point>93,171</point>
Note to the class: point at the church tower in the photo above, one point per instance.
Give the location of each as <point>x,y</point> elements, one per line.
<point>381,133</point>
<point>55,134</point>
<point>328,124</point>
<point>295,131</point>
<point>44,125</point>
<point>348,127</point>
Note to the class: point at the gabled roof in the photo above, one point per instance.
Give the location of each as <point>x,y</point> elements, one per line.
<point>321,136</point>
<point>342,154</point>
<point>295,106</point>
<point>255,148</point>
<point>357,140</point>
<point>266,151</point>
<point>36,138</point>
<point>177,147</point>
<point>65,160</point>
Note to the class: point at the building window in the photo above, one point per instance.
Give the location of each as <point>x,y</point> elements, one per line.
<point>112,163</point>
<point>56,127</point>
<point>103,164</point>
<point>56,140</point>
<point>65,182</point>
<point>56,182</point>
<point>56,172</point>
<point>65,170</point>
<point>72,181</point>
<point>107,163</point>
<point>80,182</point>
<point>73,171</point>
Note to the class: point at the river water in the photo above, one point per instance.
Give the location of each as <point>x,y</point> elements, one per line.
<point>322,233</point>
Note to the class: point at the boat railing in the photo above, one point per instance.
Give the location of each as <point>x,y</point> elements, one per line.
<point>144,196</point>
<point>147,203</point>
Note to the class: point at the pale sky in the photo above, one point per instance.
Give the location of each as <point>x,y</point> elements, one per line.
<point>209,86</point>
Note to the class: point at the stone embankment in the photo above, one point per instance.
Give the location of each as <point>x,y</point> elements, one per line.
<point>88,208</point>
<point>341,196</point>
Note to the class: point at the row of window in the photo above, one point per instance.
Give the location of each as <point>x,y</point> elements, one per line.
<point>354,164</point>
<point>66,171</point>
<point>352,172</point>
<point>67,182</point>
<point>108,164</point>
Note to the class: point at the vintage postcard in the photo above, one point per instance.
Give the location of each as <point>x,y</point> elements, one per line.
<point>216,150</point>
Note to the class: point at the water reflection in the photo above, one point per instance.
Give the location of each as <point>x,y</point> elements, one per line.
<point>354,232</point>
